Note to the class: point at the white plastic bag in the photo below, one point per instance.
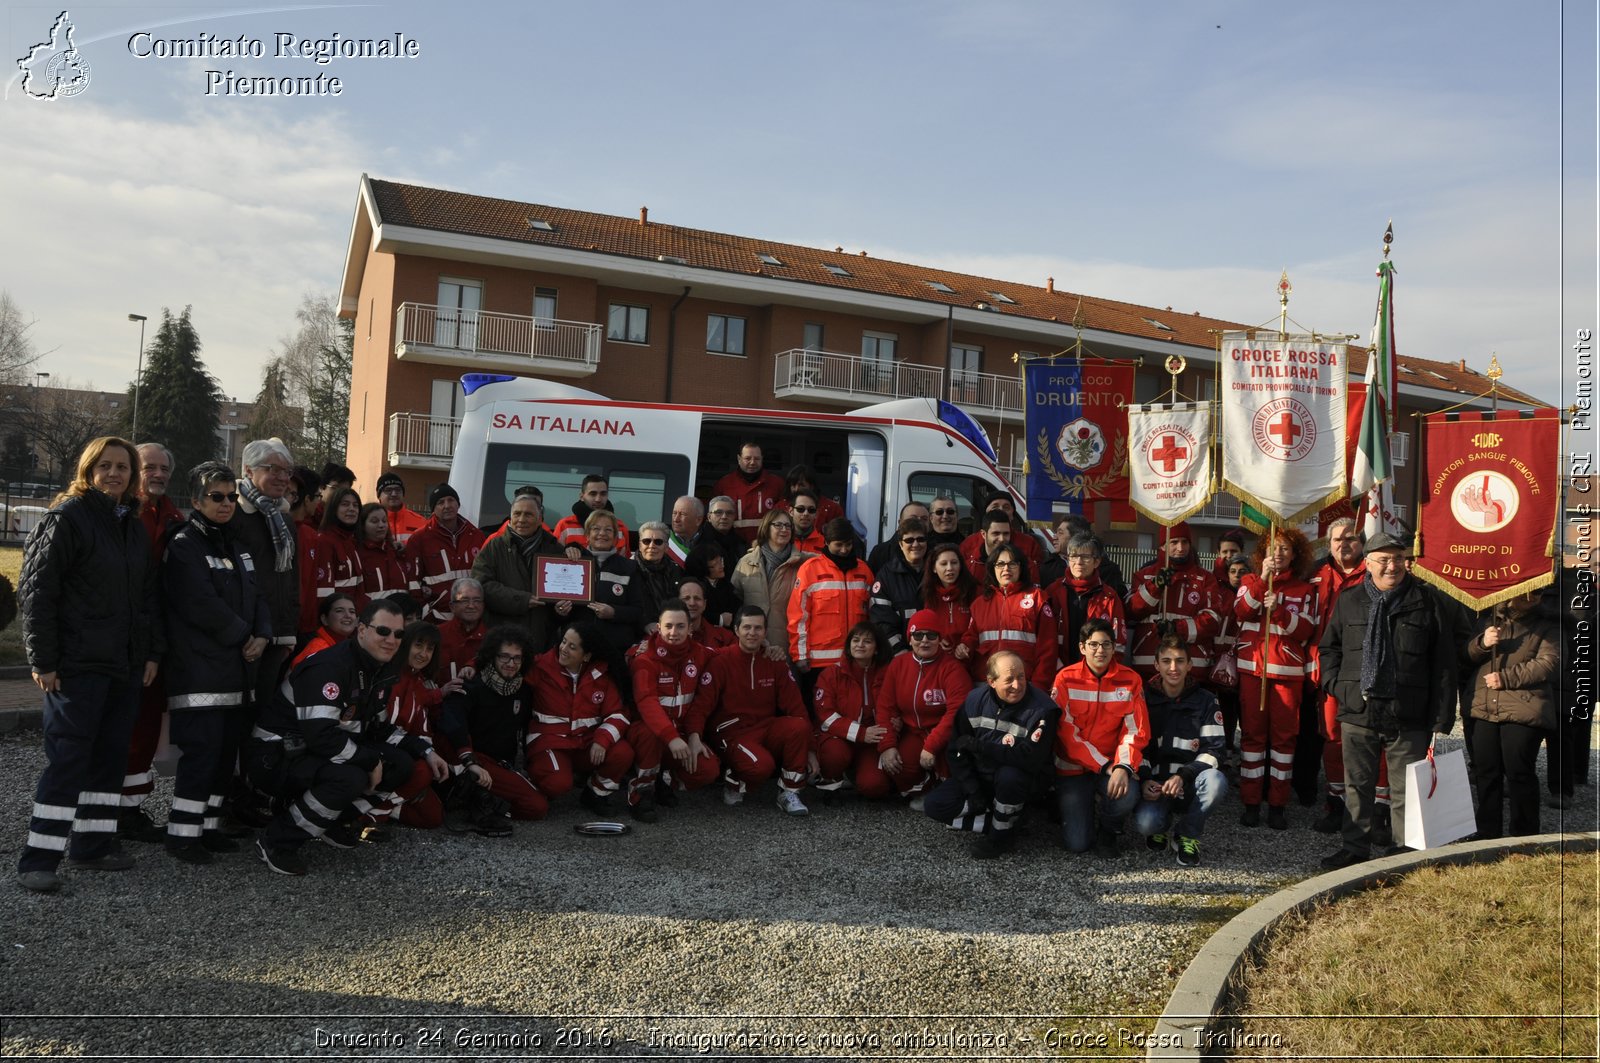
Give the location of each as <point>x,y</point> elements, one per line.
<point>1438,801</point>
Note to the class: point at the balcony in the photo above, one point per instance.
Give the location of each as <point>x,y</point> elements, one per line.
<point>985,394</point>
<point>848,379</point>
<point>478,339</point>
<point>417,441</point>
<point>1222,509</point>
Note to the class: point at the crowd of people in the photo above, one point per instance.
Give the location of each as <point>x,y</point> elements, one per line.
<point>330,669</point>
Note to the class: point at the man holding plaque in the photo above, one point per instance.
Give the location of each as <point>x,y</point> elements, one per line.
<point>508,568</point>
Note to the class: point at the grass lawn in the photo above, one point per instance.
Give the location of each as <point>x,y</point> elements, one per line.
<point>11,637</point>
<point>1493,960</point>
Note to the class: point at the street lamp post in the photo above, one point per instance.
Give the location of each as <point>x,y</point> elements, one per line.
<point>138,380</point>
<point>33,447</point>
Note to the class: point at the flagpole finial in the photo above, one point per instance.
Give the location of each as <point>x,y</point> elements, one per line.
<point>1388,238</point>
<point>1078,318</point>
<point>1285,289</point>
<point>1494,372</point>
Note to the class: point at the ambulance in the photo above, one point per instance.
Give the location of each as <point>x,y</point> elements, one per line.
<point>521,430</point>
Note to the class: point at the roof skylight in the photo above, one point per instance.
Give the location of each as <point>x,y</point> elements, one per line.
<point>837,271</point>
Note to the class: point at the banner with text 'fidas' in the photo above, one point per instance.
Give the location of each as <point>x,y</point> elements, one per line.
<point>1077,430</point>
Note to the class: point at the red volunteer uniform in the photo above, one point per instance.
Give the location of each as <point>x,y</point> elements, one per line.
<point>458,647</point>
<point>666,682</point>
<point>918,705</point>
<point>1104,720</point>
<point>845,705</point>
<point>954,616</point>
<point>159,516</point>
<point>1018,619</point>
<point>382,572</point>
<point>1191,601</point>
<point>713,636</point>
<point>412,702</point>
<point>439,558</point>
<point>571,713</point>
<point>315,583</point>
<point>1282,662</point>
<point>757,722</point>
<point>752,498</point>
<point>404,523</point>
<point>342,570</point>
<point>1098,602</point>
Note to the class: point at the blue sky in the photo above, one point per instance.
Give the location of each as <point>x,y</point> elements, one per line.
<point>1174,154</point>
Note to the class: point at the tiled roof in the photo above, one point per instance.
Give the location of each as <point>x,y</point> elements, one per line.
<point>607,234</point>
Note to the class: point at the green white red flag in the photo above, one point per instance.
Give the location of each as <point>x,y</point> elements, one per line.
<point>1372,470</point>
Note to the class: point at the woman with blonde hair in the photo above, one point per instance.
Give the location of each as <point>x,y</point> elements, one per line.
<point>765,575</point>
<point>90,625</point>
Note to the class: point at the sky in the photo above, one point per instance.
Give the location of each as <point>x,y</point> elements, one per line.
<point>1161,152</point>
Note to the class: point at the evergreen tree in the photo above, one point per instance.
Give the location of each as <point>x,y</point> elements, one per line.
<point>180,403</point>
<point>274,416</point>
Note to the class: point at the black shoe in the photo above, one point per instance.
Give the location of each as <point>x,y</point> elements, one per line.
<point>39,881</point>
<point>599,804</point>
<point>1276,819</point>
<point>666,796</point>
<point>1105,843</point>
<point>372,832</point>
<point>1156,842</point>
<point>1332,818</point>
<point>112,861</point>
<point>244,816</point>
<point>1251,817</point>
<point>283,861</point>
<point>340,836</point>
<point>1382,833</point>
<point>135,825</point>
<point>643,810</point>
<point>989,845</point>
<point>493,825</point>
<point>190,853</point>
<point>213,841</point>
<point>1341,858</point>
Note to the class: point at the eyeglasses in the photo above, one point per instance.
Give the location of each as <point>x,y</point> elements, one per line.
<point>804,509</point>
<point>782,525</point>
<point>914,540</point>
<point>1098,646</point>
<point>944,513</point>
<point>386,632</point>
<point>469,601</point>
<point>922,636</point>
<point>508,658</point>
<point>652,542</point>
<point>275,470</point>
<point>219,496</point>
<point>1380,561</point>
<point>1008,564</point>
<point>1083,557</point>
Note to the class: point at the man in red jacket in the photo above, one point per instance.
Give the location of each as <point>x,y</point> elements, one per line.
<point>1100,744</point>
<point>753,490</point>
<point>669,672</point>
<point>1174,594</point>
<point>442,552</point>
<point>758,722</point>
<point>462,634</point>
<point>1332,576</point>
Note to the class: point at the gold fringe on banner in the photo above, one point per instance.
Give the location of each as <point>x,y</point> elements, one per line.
<point>1244,495</point>
<point>1444,586</point>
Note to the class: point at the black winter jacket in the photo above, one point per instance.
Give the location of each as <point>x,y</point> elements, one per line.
<point>280,589</point>
<point>896,594</point>
<point>1186,734</point>
<point>209,584</point>
<point>1425,640</point>
<point>995,734</point>
<point>89,591</point>
<point>334,703</point>
<point>617,584</point>
<point>478,720</point>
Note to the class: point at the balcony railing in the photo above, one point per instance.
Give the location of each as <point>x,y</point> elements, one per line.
<point>1222,509</point>
<point>982,393</point>
<point>849,378</point>
<point>417,441</point>
<point>448,335</point>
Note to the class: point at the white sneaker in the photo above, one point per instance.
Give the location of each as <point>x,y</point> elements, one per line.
<point>732,795</point>
<point>916,803</point>
<point>789,804</point>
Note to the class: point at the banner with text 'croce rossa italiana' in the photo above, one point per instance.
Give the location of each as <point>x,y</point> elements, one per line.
<point>1169,467</point>
<point>1283,422</point>
<point>1077,429</point>
<point>1489,504</point>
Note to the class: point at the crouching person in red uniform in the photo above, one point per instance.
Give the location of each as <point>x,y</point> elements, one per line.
<point>578,720</point>
<point>846,704</point>
<point>758,721</point>
<point>671,669</point>
<point>481,729</point>
<point>329,745</point>
<point>1000,752</point>
<point>921,692</point>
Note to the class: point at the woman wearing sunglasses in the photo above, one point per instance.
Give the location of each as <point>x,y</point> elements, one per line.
<point>218,625</point>
<point>897,592</point>
<point>765,575</point>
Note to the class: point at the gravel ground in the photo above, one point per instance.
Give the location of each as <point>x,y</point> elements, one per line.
<point>716,932</point>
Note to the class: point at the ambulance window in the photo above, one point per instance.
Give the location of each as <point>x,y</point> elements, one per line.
<point>643,486</point>
<point>966,490</point>
<point>638,495</point>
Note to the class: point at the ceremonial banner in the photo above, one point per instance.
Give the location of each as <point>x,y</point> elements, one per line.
<point>1169,473</point>
<point>1490,504</point>
<point>1283,423</point>
<point>1372,472</point>
<point>1077,431</point>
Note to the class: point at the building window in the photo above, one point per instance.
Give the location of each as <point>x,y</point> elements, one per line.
<point>813,336</point>
<point>724,334</point>
<point>964,362</point>
<point>1399,448</point>
<point>877,360</point>
<point>455,323</point>
<point>544,308</point>
<point>627,324</point>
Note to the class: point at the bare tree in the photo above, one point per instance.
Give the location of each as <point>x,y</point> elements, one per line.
<point>315,373</point>
<point>17,354</point>
<point>65,419</point>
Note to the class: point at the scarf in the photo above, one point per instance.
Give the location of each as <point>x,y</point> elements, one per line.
<point>499,683</point>
<point>602,556</point>
<point>1084,586</point>
<point>1377,648</point>
<point>283,541</point>
<point>771,559</point>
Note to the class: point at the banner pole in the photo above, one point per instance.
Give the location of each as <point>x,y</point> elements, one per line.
<point>1266,626</point>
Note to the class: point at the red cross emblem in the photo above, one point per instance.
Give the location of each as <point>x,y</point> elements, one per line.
<point>1286,430</point>
<point>1169,453</point>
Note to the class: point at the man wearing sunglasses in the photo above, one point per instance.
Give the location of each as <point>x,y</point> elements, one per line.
<point>804,507</point>
<point>324,746</point>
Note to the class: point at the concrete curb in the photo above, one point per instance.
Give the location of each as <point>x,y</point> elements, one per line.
<point>1206,987</point>
<point>15,671</point>
<point>21,719</point>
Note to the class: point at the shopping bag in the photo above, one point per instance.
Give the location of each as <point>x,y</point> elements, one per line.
<point>1225,673</point>
<point>1438,800</point>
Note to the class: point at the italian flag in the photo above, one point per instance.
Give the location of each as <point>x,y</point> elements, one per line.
<point>1372,473</point>
<point>677,549</point>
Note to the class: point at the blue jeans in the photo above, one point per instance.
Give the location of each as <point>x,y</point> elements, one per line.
<point>1152,817</point>
<point>1076,797</point>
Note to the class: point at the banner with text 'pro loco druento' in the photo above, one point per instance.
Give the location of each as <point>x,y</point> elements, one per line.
<point>1283,422</point>
<point>1169,469</point>
<point>1490,504</point>
<point>1077,429</point>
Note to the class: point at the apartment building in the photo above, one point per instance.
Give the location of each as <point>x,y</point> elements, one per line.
<point>442,283</point>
